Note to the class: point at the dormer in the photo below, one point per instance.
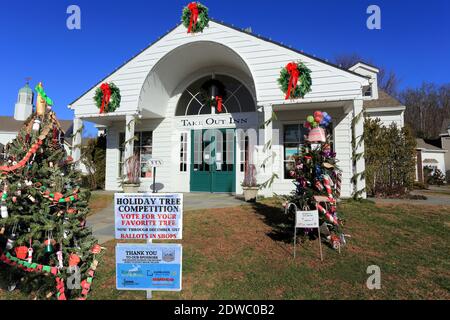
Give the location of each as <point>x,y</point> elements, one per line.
<point>370,92</point>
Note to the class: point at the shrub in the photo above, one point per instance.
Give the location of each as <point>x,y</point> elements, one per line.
<point>390,159</point>
<point>435,177</point>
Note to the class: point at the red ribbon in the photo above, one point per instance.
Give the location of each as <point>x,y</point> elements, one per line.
<point>219,103</point>
<point>106,90</point>
<point>194,15</point>
<point>294,73</point>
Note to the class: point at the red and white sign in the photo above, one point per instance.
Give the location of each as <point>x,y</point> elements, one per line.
<point>149,216</point>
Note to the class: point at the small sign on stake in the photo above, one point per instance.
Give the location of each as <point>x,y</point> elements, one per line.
<point>307,219</point>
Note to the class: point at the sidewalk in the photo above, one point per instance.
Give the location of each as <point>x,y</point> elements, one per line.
<point>102,223</point>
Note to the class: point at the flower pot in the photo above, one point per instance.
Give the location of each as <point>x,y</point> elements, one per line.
<point>250,193</point>
<point>131,187</point>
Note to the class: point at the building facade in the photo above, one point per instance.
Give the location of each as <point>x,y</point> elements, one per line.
<point>159,107</point>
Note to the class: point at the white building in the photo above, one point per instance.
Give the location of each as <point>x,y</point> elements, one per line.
<point>159,87</point>
<point>10,126</point>
<point>429,156</point>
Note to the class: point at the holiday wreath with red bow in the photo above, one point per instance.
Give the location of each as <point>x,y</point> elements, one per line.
<point>107,97</point>
<point>195,17</point>
<point>295,80</point>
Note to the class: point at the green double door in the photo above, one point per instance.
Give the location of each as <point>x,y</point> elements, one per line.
<point>213,160</point>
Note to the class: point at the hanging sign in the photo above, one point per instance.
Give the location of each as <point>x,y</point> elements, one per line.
<point>155,163</point>
<point>148,216</point>
<point>155,267</point>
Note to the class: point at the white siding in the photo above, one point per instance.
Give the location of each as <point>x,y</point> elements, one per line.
<point>439,156</point>
<point>387,117</point>
<point>7,137</point>
<point>264,60</point>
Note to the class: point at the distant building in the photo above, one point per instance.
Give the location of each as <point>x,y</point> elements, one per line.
<point>445,142</point>
<point>430,156</point>
<point>10,126</point>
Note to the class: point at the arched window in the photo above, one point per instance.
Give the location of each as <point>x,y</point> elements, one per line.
<point>196,99</point>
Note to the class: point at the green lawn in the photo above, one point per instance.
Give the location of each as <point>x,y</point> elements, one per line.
<point>246,253</point>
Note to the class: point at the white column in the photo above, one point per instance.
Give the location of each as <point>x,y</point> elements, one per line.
<point>77,139</point>
<point>359,165</point>
<point>266,171</point>
<point>130,123</point>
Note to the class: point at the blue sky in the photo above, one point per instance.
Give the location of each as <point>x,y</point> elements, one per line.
<point>413,41</point>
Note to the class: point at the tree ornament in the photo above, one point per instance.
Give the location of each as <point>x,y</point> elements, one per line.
<point>4,211</point>
<point>11,241</point>
<point>107,97</point>
<point>295,80</point>
<point>21,252</point>
<point>30,254</point>
<point>195,17</point>
<point>36,125</point>
<point>49,242</point>
<point>59,255</point>
<point>74,260</point>
<point>335,242</point>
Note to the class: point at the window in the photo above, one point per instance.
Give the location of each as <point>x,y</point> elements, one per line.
<point>183,151</point>
<point>243,147</point>
<point>367,91</point>
<point>237,98</point>
<point>142,147</point>
<point>294,138</point>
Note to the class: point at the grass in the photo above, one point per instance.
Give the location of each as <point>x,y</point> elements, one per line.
<point>246,253</point>
<point>99,201</point>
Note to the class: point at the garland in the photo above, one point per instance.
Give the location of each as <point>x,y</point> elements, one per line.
<point>35,267</point>
<point>195,17</point>
<point>33,149</point>
<point>295,80</point>
<point>107,97</point>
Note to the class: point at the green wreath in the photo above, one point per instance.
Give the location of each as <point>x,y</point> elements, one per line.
<point>202,21</point>
<point>303,85</point>
<point>114,101</point>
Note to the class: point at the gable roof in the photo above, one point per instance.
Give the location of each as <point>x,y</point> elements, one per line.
<point>421,144</point>
<point>236,29</point>
<point>384,100</point>
<point>9,124</point>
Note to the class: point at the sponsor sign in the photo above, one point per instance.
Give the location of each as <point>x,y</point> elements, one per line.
<point>155,267</point>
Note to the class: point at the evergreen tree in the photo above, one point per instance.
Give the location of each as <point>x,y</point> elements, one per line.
<point>317,178</point>
<point>46,243</point>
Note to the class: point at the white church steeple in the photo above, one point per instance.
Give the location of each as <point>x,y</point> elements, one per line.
<point>24,105</point>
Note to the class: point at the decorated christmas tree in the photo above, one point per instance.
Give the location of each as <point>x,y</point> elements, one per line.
<point>317,178</point>
<point>45,245</point>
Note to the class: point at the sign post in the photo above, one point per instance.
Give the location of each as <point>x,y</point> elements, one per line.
<point>154,163</point>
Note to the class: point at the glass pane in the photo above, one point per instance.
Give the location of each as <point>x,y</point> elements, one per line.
<point>292,133</point>
<point>290,150</point>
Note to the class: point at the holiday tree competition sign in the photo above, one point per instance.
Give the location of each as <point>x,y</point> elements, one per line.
<point>148,216</point>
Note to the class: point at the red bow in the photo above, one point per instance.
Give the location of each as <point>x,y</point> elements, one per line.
<point>294,73</point>
<point>219,103</point>
<point>106,90</point>
<point>194,15</point>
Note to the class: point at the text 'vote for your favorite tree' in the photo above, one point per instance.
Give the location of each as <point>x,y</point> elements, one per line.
<point>45,247</point>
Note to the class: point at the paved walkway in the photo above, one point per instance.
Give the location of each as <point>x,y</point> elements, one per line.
<point>103,222</point>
